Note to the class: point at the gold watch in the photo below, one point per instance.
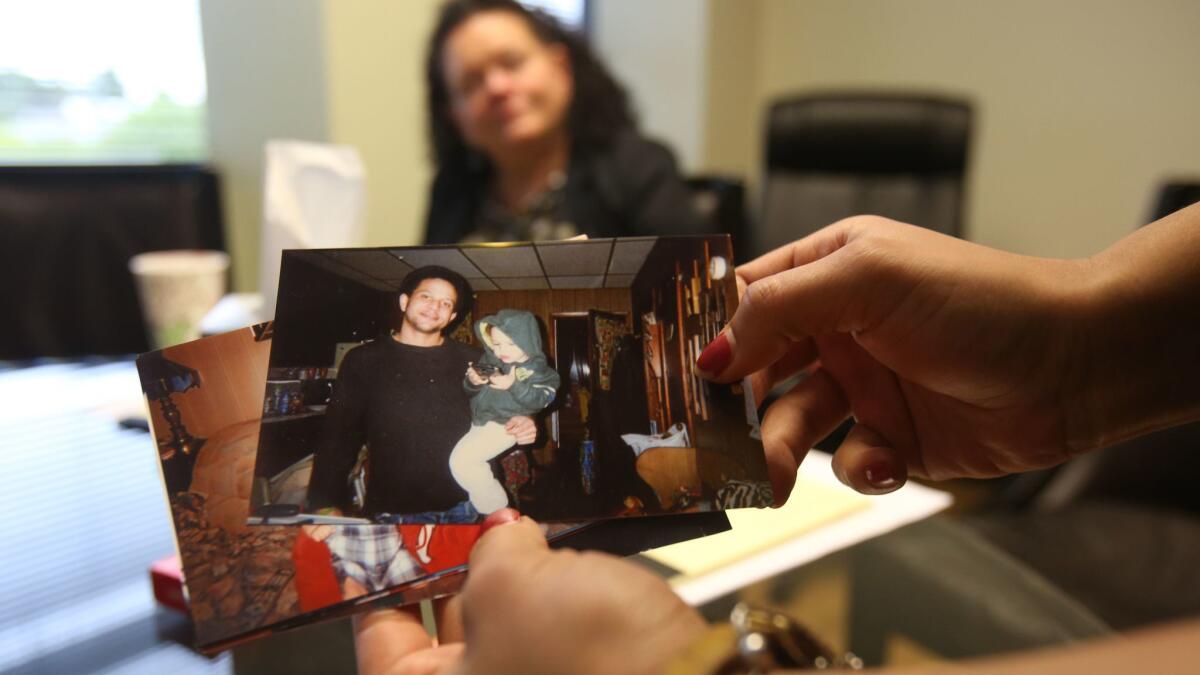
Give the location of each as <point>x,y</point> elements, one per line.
<point>757,641</point>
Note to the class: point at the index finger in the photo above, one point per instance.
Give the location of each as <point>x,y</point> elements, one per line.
<point>800,252</point>
<point>780,311</point>
<point>447,614</point>
<point>763,332</point>
<point>385,636</point>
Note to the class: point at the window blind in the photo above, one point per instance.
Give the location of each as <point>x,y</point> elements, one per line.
<point>84,515</point>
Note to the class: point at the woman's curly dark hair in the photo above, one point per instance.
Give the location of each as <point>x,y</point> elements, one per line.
<point>599,107</point>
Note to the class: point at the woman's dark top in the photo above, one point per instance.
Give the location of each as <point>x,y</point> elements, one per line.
<point>630,188</point>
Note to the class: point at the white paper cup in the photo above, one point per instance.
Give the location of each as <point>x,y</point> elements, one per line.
<point>176,289</point>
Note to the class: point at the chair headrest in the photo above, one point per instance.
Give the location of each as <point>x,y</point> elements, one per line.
<point>1174,195</point>
<point>868,133</point>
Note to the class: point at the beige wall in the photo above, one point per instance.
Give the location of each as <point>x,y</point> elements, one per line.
<point>731,114</point>
<point>659,52</point>
<point>266,79</point>
<point>1083,105</point>
<point>375,56</point>
<point>320,70</point>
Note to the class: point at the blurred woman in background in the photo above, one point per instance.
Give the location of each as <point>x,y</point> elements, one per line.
<point>534,140</point>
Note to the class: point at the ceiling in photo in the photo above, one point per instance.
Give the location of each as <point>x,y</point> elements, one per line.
<point>598,263</point>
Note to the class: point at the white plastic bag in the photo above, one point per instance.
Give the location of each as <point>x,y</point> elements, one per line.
<point>314,196</point>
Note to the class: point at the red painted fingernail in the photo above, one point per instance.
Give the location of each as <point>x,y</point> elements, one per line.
<point>715,357</point>
<point>501,517</point>
<point>881,476</point>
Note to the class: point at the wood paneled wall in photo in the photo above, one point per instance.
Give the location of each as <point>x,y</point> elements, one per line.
<point>233,371</point>
<point>546,303</point>
<point>672,286</point>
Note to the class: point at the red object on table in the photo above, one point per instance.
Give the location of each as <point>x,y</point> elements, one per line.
<point>166,576</point>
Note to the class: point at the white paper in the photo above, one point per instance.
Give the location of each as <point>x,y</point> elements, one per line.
<point>883,514</point>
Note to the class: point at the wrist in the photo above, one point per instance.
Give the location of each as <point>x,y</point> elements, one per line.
<point>1138,339</point>
<point>1081,313</point>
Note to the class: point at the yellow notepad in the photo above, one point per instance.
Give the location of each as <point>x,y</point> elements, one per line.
<point>810,506</point>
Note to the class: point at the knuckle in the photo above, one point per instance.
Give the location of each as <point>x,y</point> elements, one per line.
<point>872,254</point>
<point>869,223</point>
<point>763,295</point>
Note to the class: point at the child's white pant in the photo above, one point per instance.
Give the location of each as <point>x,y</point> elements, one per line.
<point>469,465</point>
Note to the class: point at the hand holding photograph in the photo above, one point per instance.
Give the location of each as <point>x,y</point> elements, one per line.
<point>435,385</point>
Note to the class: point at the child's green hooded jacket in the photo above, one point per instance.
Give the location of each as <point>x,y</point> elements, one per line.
<point>536,384</point>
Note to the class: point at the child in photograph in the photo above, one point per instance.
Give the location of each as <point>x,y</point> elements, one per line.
<point>512,378</point>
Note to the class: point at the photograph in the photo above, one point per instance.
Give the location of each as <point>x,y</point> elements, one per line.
<point>205,402</point>
<point>436,385</point>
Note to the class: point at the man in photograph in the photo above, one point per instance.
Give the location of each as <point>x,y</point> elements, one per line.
<point>403,397</point>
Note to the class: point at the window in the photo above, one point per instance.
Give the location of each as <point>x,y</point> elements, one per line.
<point>113,82</point>
<point>572,13</point>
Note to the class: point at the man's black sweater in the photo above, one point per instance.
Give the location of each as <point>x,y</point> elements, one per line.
<point>408,405</point>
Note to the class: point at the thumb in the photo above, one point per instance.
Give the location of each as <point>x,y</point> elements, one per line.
<point>500,567</point>
<point>507,537</point>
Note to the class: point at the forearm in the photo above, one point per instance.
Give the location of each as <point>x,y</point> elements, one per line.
<point>535,393</point>
<point>1142,339</point>
<point>1163,649</point>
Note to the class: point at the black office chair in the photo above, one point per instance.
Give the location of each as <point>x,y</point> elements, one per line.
<point>833,155</point>
<point>721,200</point>
<point>66,236</point>
<point>1174,195</point>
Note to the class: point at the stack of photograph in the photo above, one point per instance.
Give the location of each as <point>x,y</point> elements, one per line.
<point>344,455</point>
